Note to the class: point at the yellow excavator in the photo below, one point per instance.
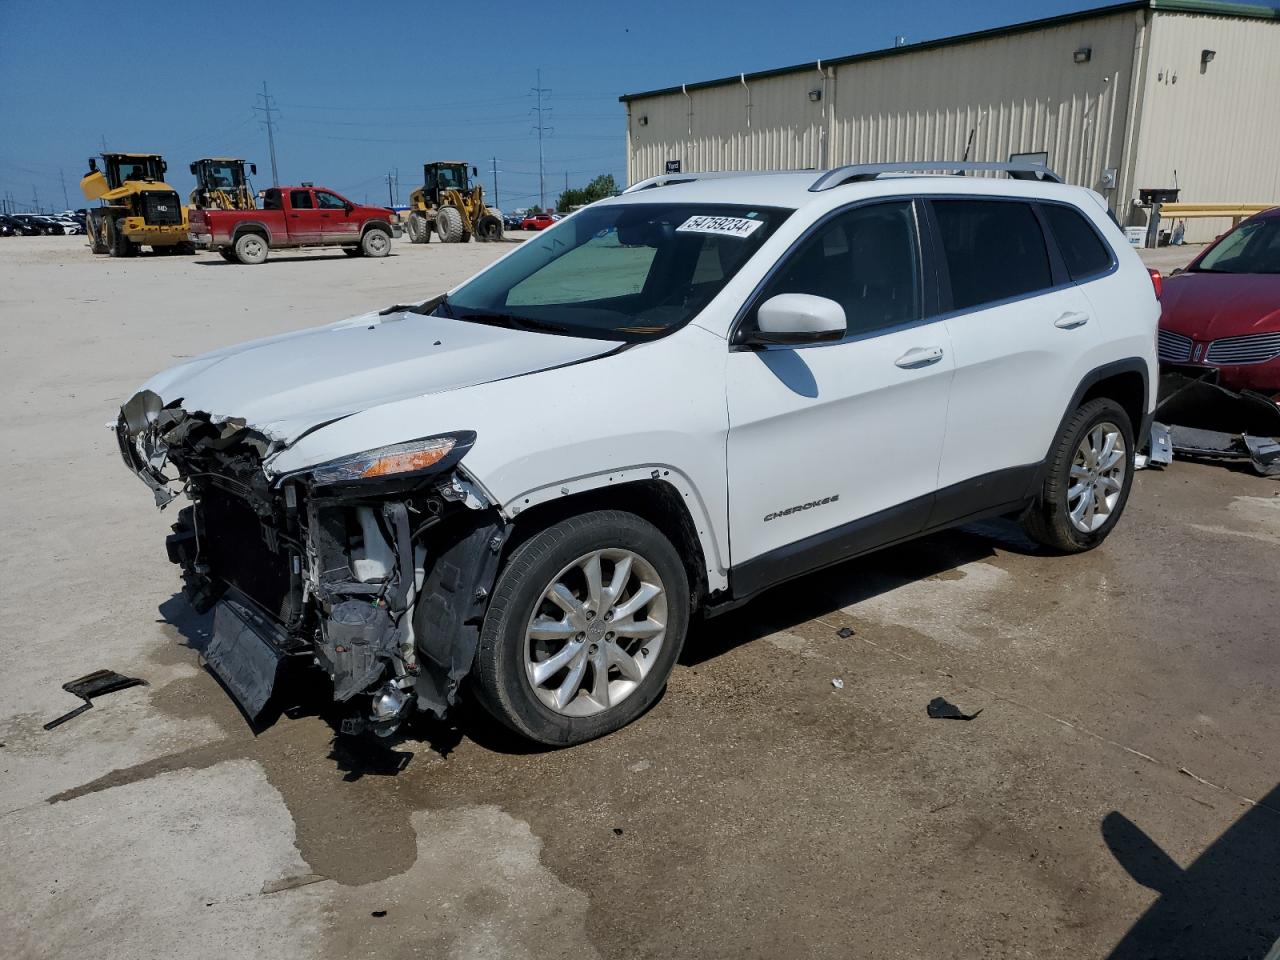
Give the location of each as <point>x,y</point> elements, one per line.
<point>448,205</point>
<point>137,207</point>
<point>221,184</point>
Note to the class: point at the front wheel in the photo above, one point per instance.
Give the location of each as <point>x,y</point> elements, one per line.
<point>375,243</point>
<point>586,622</point>
<point>1088,478</point>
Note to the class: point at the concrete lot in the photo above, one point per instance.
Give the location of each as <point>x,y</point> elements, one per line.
<point>1118,795</point>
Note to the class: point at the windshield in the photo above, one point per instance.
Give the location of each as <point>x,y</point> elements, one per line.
<point>627,272</point>
<point>222,176</point>
<point>137,168</point>
<point>451,178</point>
<point>1253,247</point>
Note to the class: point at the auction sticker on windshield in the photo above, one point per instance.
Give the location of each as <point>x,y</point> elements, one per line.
<point>723,226</point>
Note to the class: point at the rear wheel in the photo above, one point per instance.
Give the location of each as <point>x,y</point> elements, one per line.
<point>118,245</point>
<point>449,224</point>
<point>251,248</point>
<point>96,228</point>
<point>375,242</point>
<point>586,623</point>
<point>1090,472</point>
<point>419,229</point>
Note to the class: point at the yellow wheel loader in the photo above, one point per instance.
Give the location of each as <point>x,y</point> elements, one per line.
<point>221,184</point>
<point>137,207</point>
<point>448,205</point>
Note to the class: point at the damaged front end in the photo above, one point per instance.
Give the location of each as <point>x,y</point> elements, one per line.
<point>376,567</point>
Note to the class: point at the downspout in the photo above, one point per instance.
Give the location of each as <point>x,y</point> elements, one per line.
<point>748,144</point>
<point>822,130</point>
<point>689,140</point>
<point>631,176</point>
<point>1133,123</point>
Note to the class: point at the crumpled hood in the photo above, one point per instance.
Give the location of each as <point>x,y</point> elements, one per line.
<point>286,385</point>
<point>1210,306</point>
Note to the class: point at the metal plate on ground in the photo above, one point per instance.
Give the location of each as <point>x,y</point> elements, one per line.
<point>245,653</point>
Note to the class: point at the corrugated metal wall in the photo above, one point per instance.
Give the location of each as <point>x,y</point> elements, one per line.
<point>1017,92</point>
<point>1219,129</point>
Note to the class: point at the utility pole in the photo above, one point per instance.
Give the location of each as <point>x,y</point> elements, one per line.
<point>35,198</point>
<point>391,200</point>
<point>494,161</point>
<point>270,115</point>
<point>104,143</point>
<point>66,204</point>
<point>542,129</point>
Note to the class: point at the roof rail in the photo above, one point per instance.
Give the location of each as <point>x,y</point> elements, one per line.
<point>861,172</point>
<point>669,179</point>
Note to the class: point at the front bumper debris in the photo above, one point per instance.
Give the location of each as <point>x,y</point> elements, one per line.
<point>1208,421</point>
<point>381,584</point>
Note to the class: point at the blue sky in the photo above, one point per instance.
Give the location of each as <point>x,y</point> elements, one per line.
<point>363,88</point>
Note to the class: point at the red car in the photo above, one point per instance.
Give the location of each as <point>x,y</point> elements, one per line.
<point>538,221</point>
<point>1223,312</point>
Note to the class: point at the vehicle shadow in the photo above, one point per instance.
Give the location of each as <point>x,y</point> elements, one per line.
<point>845,584</point>
<point>336,255</point>
<point>1225,904</point>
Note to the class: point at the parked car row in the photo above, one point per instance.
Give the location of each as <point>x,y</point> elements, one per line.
<point>39,225</point>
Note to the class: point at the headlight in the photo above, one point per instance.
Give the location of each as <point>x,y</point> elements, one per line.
<point>399,459</point>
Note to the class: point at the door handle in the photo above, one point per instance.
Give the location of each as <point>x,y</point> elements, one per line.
<point>1071,319</point>
<point>919,357</point>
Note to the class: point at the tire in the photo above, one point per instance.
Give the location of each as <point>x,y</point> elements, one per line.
<point>251,248</point>
<point>489,229</point>
<point>449,224</point>
<point>506,657</point>
<point>376,242</point>
<point>419,229</point>
<point>96,227</point>
<point>227,255</point>
<point>118,245</point>
<point>1066,522</point>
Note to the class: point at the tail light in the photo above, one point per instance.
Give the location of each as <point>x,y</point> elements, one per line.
<point>1157,281</point>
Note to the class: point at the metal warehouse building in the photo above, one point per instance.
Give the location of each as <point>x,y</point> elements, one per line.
<point>1153,93</point>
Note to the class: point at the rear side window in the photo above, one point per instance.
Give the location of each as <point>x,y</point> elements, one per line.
<point>1082,249</point>
<point>994,250</point>
<point>300,199</point>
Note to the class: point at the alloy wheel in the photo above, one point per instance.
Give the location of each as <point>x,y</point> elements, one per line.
<point>1097,477</point>
<point>595,632</point>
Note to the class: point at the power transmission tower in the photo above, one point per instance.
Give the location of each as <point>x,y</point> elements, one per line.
<point>542,129</point>
<point>66,204</point>
<point>35,197</point>
<point>495,182</point>
<point>270,115</point>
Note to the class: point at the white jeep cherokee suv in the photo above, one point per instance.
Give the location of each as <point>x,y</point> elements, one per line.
<point>661,406</point>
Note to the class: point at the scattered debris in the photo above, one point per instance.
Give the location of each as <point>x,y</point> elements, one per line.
<point>837,683</point>
<point>93,685</point>
<point>940,709</point>
<point>638,767</point>
<point>291,883</point>
<point>378,913</point>
<point>1159,449</point>
<point>617,831</point>
<point>845,632</point>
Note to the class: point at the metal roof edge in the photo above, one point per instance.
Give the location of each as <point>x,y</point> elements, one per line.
<point>1239,10</point>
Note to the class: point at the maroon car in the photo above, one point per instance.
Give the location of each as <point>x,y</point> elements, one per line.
<point>1222,314</point>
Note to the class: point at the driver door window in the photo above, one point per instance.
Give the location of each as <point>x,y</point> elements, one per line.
<point>336,221</point>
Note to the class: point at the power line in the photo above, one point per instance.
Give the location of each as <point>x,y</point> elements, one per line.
<point>542,128</point>
<point>267,110</point>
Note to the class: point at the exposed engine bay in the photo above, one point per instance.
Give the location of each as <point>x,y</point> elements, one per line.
<point>378,575</point>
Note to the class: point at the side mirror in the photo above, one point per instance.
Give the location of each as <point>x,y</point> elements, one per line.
<point>475,172</point>
<point>1175,271</point>
<point>253,169</point>
<point>93,164</point>
<point>348,205</point>
<point>193,169</point>
<point>164,166</point>
<point>797,319</point>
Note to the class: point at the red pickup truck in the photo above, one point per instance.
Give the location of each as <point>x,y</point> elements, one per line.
<point>303,216</point>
